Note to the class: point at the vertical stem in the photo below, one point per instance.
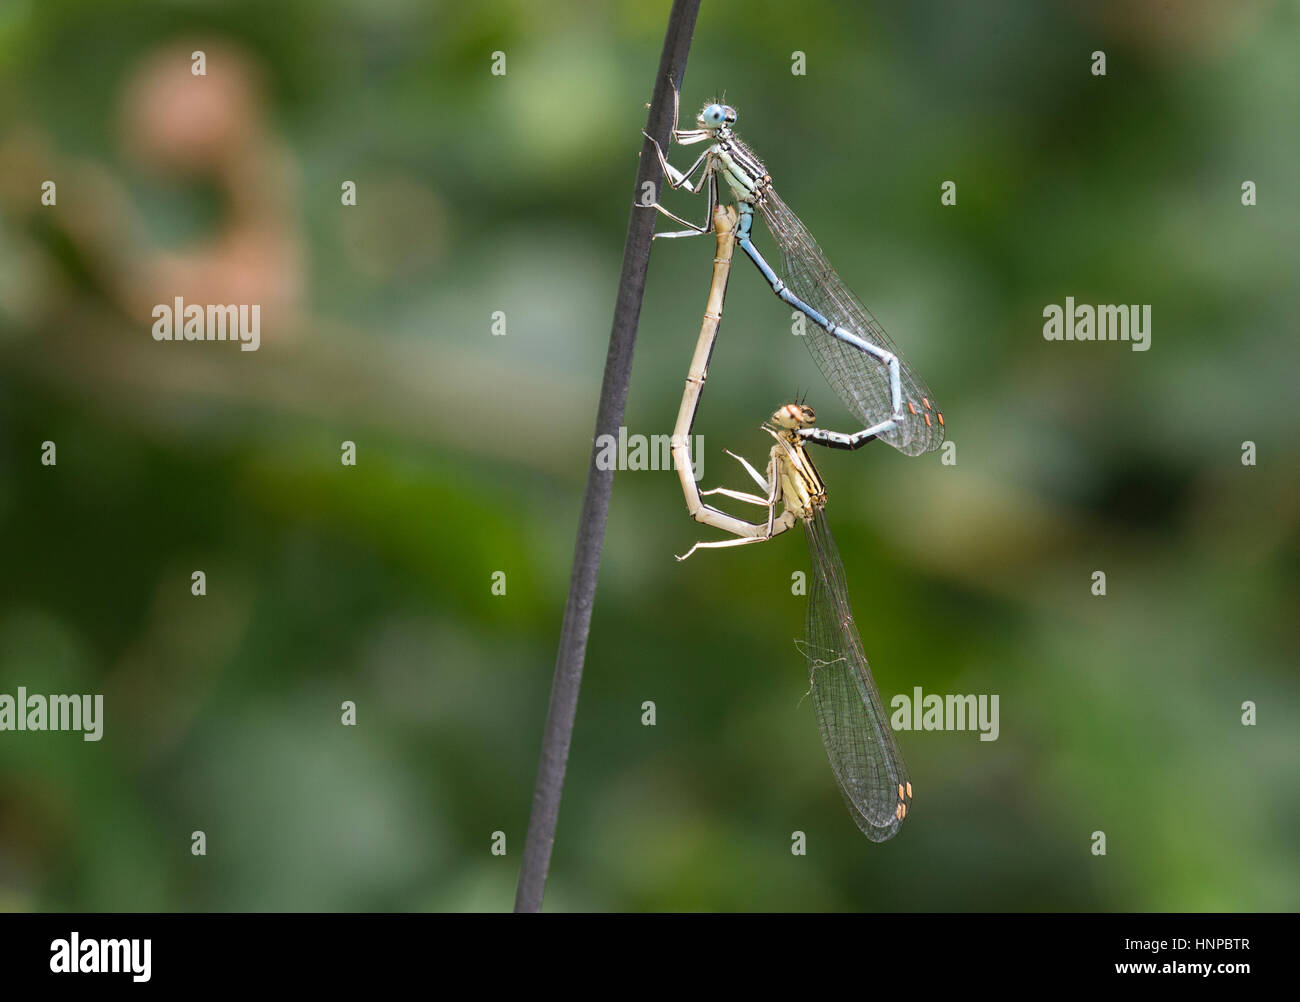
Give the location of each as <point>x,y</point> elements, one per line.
<point>595,501</point>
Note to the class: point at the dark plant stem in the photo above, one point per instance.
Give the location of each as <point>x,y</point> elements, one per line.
<point>595,501</point>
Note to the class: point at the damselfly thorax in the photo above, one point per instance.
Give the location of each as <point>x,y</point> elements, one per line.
<point>802,490</point>
<point>741,169</point>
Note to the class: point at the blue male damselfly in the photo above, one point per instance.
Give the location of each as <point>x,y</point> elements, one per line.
<point>856,356</point>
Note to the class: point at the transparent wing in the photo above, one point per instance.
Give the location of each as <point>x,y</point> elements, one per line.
<point>861,381</point>
<point>867,763</point>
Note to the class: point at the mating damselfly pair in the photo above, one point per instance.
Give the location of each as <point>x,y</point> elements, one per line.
<point>869,374</point>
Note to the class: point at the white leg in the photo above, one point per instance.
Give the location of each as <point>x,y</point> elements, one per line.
<point>758,478</point>
<point>768,502</point>
<point>765,532</point>
<point>684,137</point>
<point>680,233</point>
<point>738,496</point>
<point>674,177</point>
<point>694,230</point>
<point>724,542</point>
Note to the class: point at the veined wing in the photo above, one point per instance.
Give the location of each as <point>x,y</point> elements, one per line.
<point>860,380</point>
<point>867,763</point>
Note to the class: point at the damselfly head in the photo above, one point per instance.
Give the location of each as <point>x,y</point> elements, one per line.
<point>715,116</point>
<point>794,416</point>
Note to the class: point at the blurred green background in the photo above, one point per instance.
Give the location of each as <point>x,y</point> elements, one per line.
<point>479,193</point>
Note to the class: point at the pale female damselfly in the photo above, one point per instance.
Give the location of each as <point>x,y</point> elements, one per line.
<point>864,757</point>
<point>855,729</point>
